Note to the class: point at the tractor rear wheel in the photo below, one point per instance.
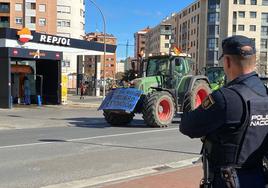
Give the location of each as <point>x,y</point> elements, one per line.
<point>118,118</point>
<point>158,109</point>
<point>199,92</point>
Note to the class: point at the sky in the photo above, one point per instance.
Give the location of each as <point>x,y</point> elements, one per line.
<point>125,17</point>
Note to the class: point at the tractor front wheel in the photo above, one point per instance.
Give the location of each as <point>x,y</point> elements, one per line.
<point>118,118</point>
<point>158,109</point>
<point>199,92</point>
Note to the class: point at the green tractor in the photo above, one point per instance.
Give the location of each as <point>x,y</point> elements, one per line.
<point>168,86</point>
<point>216,77</point>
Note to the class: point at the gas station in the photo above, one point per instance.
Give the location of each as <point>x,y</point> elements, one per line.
<point>37,57</point>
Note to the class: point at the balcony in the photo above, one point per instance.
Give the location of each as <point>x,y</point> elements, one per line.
<point>4,24</point>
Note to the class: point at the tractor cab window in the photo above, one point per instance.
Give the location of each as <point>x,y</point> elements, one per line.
<point>183,65</point>
<point>158,66</point>
<point>215,74</point>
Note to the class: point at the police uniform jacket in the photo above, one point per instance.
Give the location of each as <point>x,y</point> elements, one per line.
<point>218,118</point>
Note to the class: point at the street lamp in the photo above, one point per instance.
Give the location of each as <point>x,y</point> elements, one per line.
<point>104,51</point>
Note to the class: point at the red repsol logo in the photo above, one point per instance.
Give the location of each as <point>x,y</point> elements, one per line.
<point>259,120</point>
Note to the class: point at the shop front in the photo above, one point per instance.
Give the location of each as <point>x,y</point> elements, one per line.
<point>30,65</point>
<point>28,74</point>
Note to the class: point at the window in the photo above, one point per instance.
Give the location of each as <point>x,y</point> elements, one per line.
<point>241,28</point>
<point>166,45</point>
<point>18,7</point>
<point>234,15</point>
<point>212,17</point>
<point>214,4</point>
<point>263,56</point>
<point>33,20</point>
<point>234,28</point>
<point>213,30</point>
<point>64,23</point>
<point>18,20</point>
<point>252,28</point>
<point>253,14</point>
<point>167,37</point>
<point>33,6</point>
<point>213,43</point>
<point>235,2</point>
<point>264,30</point>
<point>63,9</point>
<point>264,43</point>
<point>264,17</point>
<point>82,13</point>
<point>253,2</point>
<point>265,2</point>
<point>42,8</point>
<point>241,14</point>
<point>212,55</point>
<point>42,21</point>
<point>242,2</point>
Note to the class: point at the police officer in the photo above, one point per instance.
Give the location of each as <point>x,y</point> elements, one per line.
<point>233,120</point>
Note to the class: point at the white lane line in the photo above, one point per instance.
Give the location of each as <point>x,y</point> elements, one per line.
<point>89,138</point>
<point>119,176</point>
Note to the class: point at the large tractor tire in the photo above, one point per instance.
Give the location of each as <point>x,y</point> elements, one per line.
<point>199,92</point>
<point>118,118</point>
<point>158,109</point>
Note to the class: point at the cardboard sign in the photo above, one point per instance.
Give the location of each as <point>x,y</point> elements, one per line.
<point>121,99</point>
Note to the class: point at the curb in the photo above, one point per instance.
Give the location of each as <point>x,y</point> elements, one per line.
<point>122,176</point>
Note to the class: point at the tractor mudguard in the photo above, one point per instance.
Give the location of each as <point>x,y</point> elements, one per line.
<point>121,99</point>
<point>194,79</point>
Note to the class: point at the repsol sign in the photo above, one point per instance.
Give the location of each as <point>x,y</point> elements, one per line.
<point>259,120</point>
<point>56,40</point>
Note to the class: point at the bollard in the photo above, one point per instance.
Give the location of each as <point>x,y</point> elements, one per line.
<point>39,102</point>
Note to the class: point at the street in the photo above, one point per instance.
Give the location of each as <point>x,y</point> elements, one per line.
<point>75,144</point>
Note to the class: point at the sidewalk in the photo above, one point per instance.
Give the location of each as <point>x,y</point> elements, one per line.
<point>188,177</point>
<point>87,101</point>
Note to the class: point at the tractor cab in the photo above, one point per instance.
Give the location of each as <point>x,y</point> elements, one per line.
<point>164,71</point>
<point>216,77</point>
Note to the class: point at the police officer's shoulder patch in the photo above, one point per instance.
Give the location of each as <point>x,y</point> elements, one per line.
<point>208,102</point>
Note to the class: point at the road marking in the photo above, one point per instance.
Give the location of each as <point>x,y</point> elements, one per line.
<point>89,138</point>
<point>120,176</point>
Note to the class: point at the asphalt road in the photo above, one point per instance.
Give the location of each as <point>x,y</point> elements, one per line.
<point>81,146</point>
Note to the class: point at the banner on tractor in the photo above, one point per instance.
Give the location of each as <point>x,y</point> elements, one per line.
<point>121,99</point>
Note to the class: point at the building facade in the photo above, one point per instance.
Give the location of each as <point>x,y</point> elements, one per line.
<point>91,61</point>
<point>70,23</point>
<point>158,39</point>
<point>58,17</point>
<point>140,38</point>
<point>32,14</point>
<point>199,29</point>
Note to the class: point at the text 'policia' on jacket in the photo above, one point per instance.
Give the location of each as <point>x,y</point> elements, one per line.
<point>243,146</point>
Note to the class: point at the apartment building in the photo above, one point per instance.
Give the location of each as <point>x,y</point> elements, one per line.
<point>199,28</point>
<point>71,18</point>
<point>58,17</point>
<point>158,39</point>
<point>139,38</point>
<point>70,23</point>
<point>38,15</point>
<point>110,59</point>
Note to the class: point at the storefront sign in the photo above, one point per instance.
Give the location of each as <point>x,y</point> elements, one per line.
<point>37,54</point>
<point>25,35</point>
<point>54,40</point>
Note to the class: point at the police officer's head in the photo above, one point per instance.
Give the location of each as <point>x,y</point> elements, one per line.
<point>239,56</point>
